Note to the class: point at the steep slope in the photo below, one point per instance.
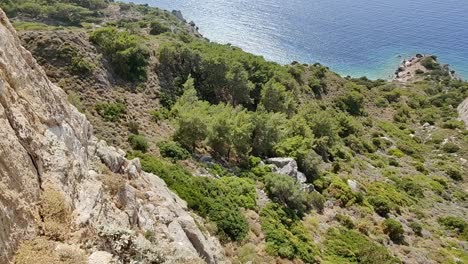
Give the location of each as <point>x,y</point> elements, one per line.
<point>66,197</point>
<point>385,162</point>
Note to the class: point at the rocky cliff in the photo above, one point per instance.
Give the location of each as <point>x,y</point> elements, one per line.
<point>463,111</point>
<point>66,197</point>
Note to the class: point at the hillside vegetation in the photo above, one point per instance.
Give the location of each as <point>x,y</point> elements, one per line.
<point>385,162</point>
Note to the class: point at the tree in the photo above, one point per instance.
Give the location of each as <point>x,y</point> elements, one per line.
<point>239,86</point>
<point>268,131</point>
<point>191,129</point>
<point>275,98</point>
<point>351,102</point>
<point>230,129</point>
<point>285,190</point>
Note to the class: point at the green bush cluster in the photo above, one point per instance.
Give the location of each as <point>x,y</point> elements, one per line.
<point>352,102</point>
<point>454,173</point>
<point>286,236</point>
<point>128,57</point>
<point>450,147</point>
<point>219,200</point>
<point>77,62</point>
<point>394,230</point>
<point>173,150</point>
<point>111,112</point>
<point>160,114</point>
<point>340,190</point>
<point>138,142</point>
<point>286,191</point>
<point>430,63</point>
<point>348,246</point>
<point>68,12</point>
<point>157,28</point>
<point>457,224</point>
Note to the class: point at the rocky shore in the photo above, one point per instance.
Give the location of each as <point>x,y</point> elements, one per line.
<point>416,67</point>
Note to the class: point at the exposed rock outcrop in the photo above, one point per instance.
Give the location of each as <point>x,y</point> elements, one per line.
<point>287,166</point>
<point>463,112</point>
<point>123,214</point>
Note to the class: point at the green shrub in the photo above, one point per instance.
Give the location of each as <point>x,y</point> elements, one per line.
<point>111,112</point>
<point>453,124</point>
<point>211,198</point>
<point>133,127</point>
<point>348,246</point>
<point>68,13</point>
<point>455,223</point>
<point>394,230</point>
<point>138,142</point>
<point>352,102</point>
<point>286,191</point>
<point>393,96</point>
<point>396,152</point>
<point>81,65</point>
<point>75,99</point>
<point>381,102</point>
<point>345,220</point>
<point>317,201</point>
<point>420,167</point>
<point>160,114</point>
<point>173,150</point>
<point>411,186</point>
<point>416,227</point>
<point>340,190</point>
<point>450,147</point>
<point>129,58</point>
<point>454,173</point>
<point>381,205</point>
<point>286,236</point>
<point>430,63</point>
<point>157,28</point>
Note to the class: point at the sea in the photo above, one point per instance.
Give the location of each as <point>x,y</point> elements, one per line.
<point>352,37</point>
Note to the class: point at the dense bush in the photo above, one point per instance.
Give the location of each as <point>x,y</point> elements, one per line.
<point>286,236</point>
<point>69,12</point>
<point>381,205</point>
<point>348,246</point>
<point>128,57</point>
<point>81,65</point>
<point>157,28</point>
<point>416,227</point>
<point>456,223</point>
<point>173,150</point>
<point>394,230</point>
<point>138,142</point>
<point>339,190</point>
<point>160,114</point>
<point>352,102</point>
<point>286,191</point>
<point>450,147</point>
<point>453,124</point>
<point>454,173</point>
<point>111,112</point>
<point>211,198</point>
<point>430,63</point>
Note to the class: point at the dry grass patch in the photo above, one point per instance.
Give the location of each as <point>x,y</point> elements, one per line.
<point>56,214</point>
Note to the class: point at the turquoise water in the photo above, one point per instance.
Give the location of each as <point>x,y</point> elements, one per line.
<point>352,37</point>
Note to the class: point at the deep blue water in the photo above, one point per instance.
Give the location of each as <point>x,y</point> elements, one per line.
<point>352,37</point>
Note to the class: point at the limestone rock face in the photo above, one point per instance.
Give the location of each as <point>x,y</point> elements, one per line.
<point>463,112</point>
<point>129,216</point>
<point>287,166</point>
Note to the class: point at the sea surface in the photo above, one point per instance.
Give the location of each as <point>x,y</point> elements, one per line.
<point>352,37</point>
